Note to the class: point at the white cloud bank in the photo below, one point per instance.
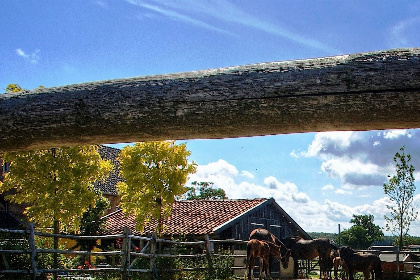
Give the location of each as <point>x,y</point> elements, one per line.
<point>308,213</point>
<point>359,160</point>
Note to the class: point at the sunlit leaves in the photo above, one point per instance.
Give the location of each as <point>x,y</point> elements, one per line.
<point>13,88</point>
<point>55,184</point>
<point>154,173</point>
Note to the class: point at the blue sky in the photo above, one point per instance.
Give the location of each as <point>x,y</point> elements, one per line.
<point>320,179</point>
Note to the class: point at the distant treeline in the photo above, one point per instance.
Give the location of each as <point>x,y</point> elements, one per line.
<point>386,240</point>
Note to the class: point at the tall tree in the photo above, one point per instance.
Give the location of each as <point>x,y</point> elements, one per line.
<point>205,191</point>
<point>400,190</point>
<point>56,184</point>
<point>155,173</point>
<point>363,232</point>
<point>91,224</point>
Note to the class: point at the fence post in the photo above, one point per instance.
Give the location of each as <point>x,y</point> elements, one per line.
<point>209,257</point>
<point>153,248</point>
<point>125,252</point>
<point>398,263</point>
<point>32,248</point>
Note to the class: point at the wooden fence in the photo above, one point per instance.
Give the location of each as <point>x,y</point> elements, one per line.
<point>133,249</point>
<point>128,254</point>
<point>391,269</point>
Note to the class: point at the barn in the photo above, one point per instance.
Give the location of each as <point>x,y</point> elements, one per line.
<point>220,219</point>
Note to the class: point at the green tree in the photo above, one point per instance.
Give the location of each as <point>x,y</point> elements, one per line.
<point>363,232</point>
<point>205,191</point>
<point>56,184</point>
<point>400,190</point>
<point>91,224</point>
<point>155,173</point>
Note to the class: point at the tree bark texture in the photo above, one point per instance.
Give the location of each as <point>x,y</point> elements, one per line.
<point>369,91</point>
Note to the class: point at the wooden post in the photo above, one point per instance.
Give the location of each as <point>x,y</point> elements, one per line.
<point>125,252</point>
<point>368,91</point>
<point>153,248</point>
<point>32,247</point>
<point>398,263</point>
<point>113,255</point>
<point>209,256</point>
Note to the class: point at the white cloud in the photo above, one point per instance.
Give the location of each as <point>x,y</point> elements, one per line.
<point>324,140</point>
<point>32,58</point>
<point>353,173</point>
<point>178,16</point>
<point>309,214</point>
<point>343,192</point>
<point>362,159</point>
<point>222,12</point>
<point>328,188</point>
<point>404,33</point>
<point>294,154</point>
<point>247,174</point>
<point>337,211</point>
<point>393,134</point>
<point>101,3</point>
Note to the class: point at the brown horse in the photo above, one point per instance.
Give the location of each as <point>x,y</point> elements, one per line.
<point>264,235</point>
<point>364,263</point>
<point>338,261</point>
<point>263,250</point>
<point>309,249</point>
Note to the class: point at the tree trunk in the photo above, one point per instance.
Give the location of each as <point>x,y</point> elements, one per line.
<point>378,90</point>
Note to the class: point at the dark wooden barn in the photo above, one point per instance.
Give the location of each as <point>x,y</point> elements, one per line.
<point>220,219</point>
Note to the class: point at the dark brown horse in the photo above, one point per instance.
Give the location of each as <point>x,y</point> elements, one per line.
<point>262,250</point>
<point>365,263</point>
<point>302,249</point>
<point>264,235</point>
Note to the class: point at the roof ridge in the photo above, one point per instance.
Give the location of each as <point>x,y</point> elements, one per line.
<point>111,214</point>
<point>226,199</point>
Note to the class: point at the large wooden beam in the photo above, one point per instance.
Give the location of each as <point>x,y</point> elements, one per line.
<point>378,90</point>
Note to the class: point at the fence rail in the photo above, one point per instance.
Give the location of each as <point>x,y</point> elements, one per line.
<point>128,253</point>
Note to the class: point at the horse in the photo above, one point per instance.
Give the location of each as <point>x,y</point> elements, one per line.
<point>262,249</point>
<point>302,249</point>
<point>364,263</point>
<point>264,235</point>
<point>329,264</point>
<point>338,261</point>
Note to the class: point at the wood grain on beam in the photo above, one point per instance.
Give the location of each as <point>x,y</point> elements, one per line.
<point>378,90</point>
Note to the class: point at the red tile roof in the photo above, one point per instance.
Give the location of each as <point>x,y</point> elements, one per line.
<point>191,217</point>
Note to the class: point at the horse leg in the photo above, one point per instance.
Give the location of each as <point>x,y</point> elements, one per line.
<point>335,271</point>
<point>351,274</point>
<point>267,267</point>
<point>321,268</point>
<point>366,273</point>
<point>250,263</point>
<point>261,268</point>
